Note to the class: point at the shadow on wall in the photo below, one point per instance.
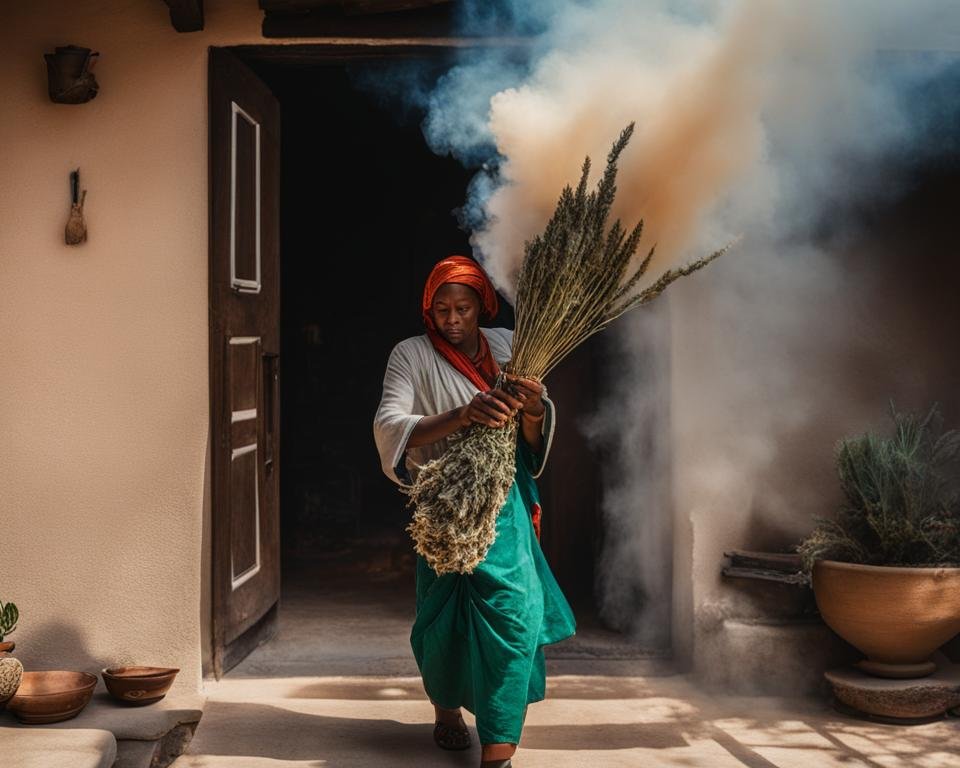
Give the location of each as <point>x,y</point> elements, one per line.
<point>59,645</point>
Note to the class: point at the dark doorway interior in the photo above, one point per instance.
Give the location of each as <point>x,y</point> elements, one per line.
<point>365,214</point>
<point>366,210</point>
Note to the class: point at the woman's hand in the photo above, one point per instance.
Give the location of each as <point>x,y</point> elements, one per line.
<point>493,408</point>
<point>530,394</point>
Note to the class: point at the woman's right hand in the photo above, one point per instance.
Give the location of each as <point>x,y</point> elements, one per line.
<point>493,408</point>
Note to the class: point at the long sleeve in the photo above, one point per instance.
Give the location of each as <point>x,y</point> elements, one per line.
<point>395,420</point>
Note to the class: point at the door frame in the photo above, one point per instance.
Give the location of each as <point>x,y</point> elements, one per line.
<point>332,54</point>
<point>222,655</point>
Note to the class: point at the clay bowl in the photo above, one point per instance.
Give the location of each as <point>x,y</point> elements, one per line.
<point>896,616</point>
<point>49,697</point>
<point>139,685</point>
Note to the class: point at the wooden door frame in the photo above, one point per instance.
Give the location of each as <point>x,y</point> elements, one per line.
<point>319,53</point>
<point>241,616</point>
<point>333,54</point>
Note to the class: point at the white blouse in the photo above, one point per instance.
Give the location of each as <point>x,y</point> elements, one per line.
<point>420,382</point>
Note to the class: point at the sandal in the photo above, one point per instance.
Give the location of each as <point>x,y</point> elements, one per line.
<point>448,737</point>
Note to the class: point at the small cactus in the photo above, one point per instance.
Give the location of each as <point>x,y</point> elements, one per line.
<point>8,618</point>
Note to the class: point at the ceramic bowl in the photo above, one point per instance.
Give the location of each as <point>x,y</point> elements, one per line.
<point>49,697</point>
<point>139,685</point>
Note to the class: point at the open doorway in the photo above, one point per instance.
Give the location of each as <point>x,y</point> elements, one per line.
<point>366,209</point>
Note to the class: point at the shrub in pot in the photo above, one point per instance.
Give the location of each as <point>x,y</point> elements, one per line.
<point>886,570</point>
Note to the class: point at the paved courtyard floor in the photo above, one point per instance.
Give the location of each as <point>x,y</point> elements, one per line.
<point>587,720</point>
<point>338,687</point>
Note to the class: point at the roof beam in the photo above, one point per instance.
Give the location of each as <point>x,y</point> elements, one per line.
<point>348,7</point>
<point>186,15</point>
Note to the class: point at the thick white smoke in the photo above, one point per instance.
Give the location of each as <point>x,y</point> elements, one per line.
<point>749,115</point>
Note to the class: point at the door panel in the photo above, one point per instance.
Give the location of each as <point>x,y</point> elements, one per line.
<point>244,356</point>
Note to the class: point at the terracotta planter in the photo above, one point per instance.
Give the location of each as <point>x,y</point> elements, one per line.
<point>897,616</point>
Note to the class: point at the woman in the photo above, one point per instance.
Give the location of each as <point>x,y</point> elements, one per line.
<point>477,638</point>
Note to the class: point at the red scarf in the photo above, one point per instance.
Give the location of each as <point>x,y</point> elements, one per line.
<point>482,370</point>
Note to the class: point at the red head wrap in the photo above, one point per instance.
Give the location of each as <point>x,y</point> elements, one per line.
<point>483,370</point>
<point>460,269</point>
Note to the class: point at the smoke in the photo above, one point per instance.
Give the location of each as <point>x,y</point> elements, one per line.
<point>766,118</point>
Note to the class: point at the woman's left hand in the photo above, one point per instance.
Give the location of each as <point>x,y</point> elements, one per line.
<point>529,392</point>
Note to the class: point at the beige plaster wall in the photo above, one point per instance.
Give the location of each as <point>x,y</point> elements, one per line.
<point>104,466</point>
<point>103,380</point>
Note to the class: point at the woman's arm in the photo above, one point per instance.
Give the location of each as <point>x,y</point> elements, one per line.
<point>430,429</point>
<point>529,393</point>
<point>487,408</point>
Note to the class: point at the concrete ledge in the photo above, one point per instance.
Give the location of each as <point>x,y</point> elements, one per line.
<point>770,658</point>
<point>910,698</point>
<point>150,736</point>
<point>32,747</point>
<point>147,723</point>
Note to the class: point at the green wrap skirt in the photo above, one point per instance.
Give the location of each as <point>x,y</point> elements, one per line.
<point>478,638</point>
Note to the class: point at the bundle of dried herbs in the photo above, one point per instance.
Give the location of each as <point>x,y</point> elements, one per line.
<point>574,281</point>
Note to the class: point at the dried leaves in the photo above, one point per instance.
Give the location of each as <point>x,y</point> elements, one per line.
<point>457,497</point>
<point>576,278</point>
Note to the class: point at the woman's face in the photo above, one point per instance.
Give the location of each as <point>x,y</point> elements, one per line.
<point>456,312</point>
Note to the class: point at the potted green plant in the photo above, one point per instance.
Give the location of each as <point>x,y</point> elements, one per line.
<point>9,615</point>
<point>886,570</point>
<point>11,670</point>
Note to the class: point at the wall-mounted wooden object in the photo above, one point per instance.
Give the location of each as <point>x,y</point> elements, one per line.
<point>186,15</point>
<point>76,230</point>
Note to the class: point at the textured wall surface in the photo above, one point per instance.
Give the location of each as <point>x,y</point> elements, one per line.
<point>103,384</point>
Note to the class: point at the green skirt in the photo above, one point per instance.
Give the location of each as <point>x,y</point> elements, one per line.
<point>478,639</point>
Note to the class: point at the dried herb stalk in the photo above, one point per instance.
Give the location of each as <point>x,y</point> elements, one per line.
<point>574,281</point>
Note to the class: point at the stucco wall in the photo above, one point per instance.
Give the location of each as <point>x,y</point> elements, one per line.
<point>103,384</point>
<point>104,468</point>
<point>776,357</point>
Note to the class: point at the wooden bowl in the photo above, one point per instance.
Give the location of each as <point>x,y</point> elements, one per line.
<point>49,697</point>
<point>139,685</point>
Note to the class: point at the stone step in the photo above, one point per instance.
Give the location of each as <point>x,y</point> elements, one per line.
<point>898,699</point>
<point>150,736</point>
<point>41,747</point>
<point>755,657</point>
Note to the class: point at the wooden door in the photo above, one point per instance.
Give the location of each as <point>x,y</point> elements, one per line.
<point>244,357</point>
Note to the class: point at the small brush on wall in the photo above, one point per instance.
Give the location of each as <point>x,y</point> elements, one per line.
<point>76,229</point>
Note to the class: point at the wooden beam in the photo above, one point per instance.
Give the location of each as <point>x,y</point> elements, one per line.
<point>426,22</point>
<point>348,7</point>
<point>186,15</point>
<point>796,579</point>
<point>786,562</point>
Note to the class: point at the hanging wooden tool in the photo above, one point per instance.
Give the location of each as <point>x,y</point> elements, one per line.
<point>76,229</point>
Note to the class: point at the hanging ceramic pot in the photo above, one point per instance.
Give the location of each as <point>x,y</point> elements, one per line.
<point>69,76</point>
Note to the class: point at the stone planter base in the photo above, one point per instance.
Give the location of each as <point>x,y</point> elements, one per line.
<point>915,700</point>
